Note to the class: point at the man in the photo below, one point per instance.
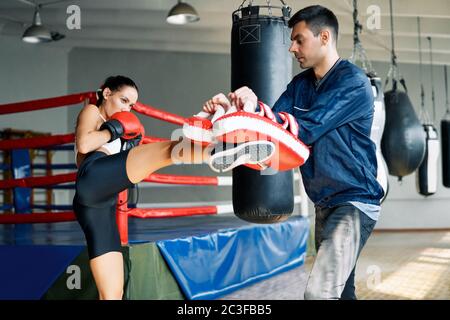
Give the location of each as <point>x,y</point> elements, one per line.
<point>333,103</point>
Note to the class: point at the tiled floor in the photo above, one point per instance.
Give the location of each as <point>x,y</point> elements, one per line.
<point>405,266</point>
<point>393,265</point>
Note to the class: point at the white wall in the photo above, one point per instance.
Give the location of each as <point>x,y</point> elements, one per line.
<point>29,72</point>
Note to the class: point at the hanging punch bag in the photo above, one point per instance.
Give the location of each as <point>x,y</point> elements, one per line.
<point>260,59</point>
<point>426,175</point>
<point>379,120</point>
<point>379,114</point>
<point>445,137</point>
<point>403,141</point>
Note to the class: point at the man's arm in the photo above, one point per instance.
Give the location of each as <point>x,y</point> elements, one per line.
<point>353,99</point>
<point>334,108</point>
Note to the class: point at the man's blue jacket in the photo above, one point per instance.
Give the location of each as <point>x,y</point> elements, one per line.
<point>335,118</point>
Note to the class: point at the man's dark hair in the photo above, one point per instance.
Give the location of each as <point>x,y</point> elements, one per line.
<point>316,18</point>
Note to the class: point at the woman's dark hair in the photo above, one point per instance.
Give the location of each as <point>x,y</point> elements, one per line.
<point>316,18</point>
<point>114,83</point>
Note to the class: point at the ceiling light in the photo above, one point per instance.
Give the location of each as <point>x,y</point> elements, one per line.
<point>182,13</point>
<point>36,32</point>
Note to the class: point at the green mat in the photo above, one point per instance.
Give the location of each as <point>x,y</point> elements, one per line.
<point>147,277</point>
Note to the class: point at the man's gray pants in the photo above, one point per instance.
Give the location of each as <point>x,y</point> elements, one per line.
<point>340,234</point>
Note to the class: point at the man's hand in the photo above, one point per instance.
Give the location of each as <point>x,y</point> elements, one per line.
<point>244,99</point>
<point>219,100</point>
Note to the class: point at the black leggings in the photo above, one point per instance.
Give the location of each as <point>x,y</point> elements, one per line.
<point>99,180</point>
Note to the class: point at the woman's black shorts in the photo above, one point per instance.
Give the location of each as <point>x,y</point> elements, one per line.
<point>100,178</point>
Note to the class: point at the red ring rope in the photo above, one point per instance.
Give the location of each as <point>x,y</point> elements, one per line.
<point>51,217</point>
<point>31,182</point>
<point>47,103</point>
<point>171,212</point>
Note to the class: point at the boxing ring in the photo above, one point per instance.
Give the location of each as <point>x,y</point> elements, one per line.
<point>196,250</point>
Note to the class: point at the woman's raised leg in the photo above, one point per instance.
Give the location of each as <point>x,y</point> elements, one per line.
<point>148,158</point>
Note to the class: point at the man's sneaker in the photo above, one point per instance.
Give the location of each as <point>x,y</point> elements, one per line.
<point>252,152</point>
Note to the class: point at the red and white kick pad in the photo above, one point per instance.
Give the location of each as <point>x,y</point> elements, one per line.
<point>198,128</point>
<point>244,126</point>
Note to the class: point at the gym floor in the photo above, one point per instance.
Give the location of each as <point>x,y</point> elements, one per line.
<point>393,265</point>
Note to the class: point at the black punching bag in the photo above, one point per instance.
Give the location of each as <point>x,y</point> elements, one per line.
<point>403,142</point>
<point>426,175</point>
<point>445,149</point>
<point>260,59</point>
<point>445,137</point>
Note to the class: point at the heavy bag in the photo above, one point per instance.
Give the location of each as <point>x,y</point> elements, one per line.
<point>403,142</point>
<point>376,133</point>
<point>260,59</point>
<point>445,137</point>
<point>426,175</point>
<point>445,146</point>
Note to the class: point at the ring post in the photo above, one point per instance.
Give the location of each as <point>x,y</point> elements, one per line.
<point>122,216</point>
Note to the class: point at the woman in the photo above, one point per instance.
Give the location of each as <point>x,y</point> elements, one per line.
<point>109,160</point>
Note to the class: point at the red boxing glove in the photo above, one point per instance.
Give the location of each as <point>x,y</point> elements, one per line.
<point>131,126</point>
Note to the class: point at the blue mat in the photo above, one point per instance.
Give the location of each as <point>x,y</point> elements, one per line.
<point>212,265</point>
<point>27,272</point>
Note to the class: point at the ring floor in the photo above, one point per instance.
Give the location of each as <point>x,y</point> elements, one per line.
<point>393,265</point>
<point>186,244</point>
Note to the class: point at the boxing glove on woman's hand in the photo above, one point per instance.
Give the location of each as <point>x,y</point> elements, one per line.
<point>123,125</point>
